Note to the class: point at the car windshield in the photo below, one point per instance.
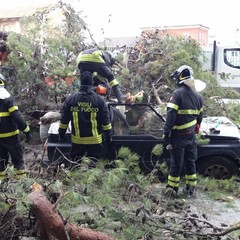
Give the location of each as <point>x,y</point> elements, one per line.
<point>136,119</point>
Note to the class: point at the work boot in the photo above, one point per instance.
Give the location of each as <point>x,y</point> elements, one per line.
<point>190,191</point>
<point>20,173</point>
<point>170,193</point>
<point>118,94</point>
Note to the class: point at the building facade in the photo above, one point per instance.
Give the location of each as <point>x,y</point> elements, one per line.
<point>197,32</point>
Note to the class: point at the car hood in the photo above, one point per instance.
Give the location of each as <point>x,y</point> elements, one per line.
<point>220,126</point>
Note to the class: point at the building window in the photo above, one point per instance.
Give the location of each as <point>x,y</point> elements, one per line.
<point>8,27</point>
<point>232,57</point>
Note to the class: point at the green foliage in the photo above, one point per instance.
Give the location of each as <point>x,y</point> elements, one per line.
<point>91,194</point>
<point>163,167</point>
<point>152,68</point>
<point>130,159</point>
<point>131,232</point>
<point>115,175</point>
<point>201,140</point>
<point>55,186</point>
<point>233,112</point>
<point>15,196</point>
<point>22,208</point>
<point>218,188</point>
<point>47,47</point>
<point>121,202</point>
<point>159,56</point>
<point>155,57</point>
<point>47,50</point>
<point>158,150</point>
<point>3,205</point>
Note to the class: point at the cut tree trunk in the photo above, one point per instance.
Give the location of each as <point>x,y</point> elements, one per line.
<point>52,225</point>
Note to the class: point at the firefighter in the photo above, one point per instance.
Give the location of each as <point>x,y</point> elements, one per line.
<point>184,116</point>
<point>100,62</point>
<point>11,121</point>
<point>90,118</point>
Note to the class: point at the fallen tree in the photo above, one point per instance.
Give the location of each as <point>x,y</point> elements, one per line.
<point>113,200</point>
<point>52,225</point>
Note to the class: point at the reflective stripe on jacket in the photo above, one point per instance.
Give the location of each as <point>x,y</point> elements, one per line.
<point>89,117</point>
<point>91,55</point>
<point>94,61</point>
<point>11,120</point>
<point>184,110</point>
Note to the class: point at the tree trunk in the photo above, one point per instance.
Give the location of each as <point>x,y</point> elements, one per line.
<point>52,225</point>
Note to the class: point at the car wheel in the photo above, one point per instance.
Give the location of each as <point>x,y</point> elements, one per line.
<point>217,167</point>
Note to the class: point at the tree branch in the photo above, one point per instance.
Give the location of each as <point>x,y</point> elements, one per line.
<point>52,225</point>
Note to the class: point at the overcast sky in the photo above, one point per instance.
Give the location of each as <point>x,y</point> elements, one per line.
<point>127,17</point>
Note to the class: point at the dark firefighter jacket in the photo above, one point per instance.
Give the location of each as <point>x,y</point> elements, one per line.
<point>11,120</point>
<point>184,111</point>
<point>89,117</point>
<point>96,61</point>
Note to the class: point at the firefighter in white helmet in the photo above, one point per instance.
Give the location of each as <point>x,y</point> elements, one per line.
<point>184,116</point>
<point>11,121</point>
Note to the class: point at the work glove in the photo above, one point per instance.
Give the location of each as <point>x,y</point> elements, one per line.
<point>108,136</point>
<point>197,128</point>
<point>28,136</point>
<point>61,134</point>
<point>167,142</point>
<point>117,92</point>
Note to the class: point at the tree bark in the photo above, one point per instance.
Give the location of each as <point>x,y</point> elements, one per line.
<point>51,224</point>
<point>156,95</point>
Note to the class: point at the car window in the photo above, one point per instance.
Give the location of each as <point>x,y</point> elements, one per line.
<point>136,119</point>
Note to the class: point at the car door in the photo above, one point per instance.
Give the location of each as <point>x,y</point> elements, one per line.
<point>140,128</point>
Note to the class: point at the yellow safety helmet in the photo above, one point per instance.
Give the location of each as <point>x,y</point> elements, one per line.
<point>2,81</point>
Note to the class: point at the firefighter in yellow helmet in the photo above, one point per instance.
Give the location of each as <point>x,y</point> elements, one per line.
<point>184,116</point>
<point>97,61</point>
<point>11,121</point>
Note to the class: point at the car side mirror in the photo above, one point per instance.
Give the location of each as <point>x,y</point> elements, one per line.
<point>214,130</point>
